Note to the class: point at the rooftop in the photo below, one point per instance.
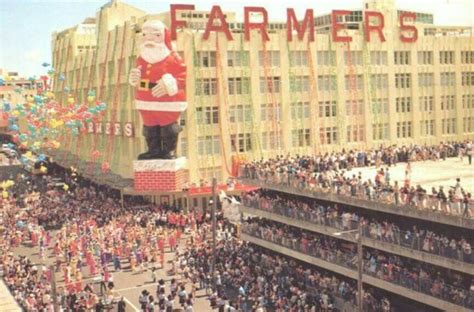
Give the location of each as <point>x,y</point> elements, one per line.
<point>428,174</point>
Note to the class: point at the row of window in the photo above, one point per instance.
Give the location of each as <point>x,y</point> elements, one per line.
<point>241,85</point>
<point>242,142</point>
<point>328,58</point>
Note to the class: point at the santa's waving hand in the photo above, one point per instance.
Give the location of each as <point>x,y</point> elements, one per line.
<point>160,78</point>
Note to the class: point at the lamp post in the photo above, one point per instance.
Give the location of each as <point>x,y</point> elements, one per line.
<point>359,263</point>
<point>213,203</point>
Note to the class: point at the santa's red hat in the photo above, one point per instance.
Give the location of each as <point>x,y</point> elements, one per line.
<point>160,26</point>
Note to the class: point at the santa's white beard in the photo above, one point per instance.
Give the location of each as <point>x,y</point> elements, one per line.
<point>154,54</point>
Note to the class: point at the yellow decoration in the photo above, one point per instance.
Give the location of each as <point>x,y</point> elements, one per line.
<point>29,154</point>
<point>50,94</point>
<point>5,194</point>
<point>70,100</point>
<point>15,113</point>
<point>8,78</point>
<point>65,187</point>
<point>43,169</point>
<point>30,98</point>
<point>91,98</point>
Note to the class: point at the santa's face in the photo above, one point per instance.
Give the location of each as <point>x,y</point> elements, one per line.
<point>152,45</point>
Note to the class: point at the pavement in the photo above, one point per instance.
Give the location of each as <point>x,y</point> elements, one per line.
<point>427,173</point>
<point>127,283</point>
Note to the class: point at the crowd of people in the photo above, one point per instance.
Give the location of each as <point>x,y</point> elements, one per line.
<point>430,240</point>
<point>450,286</point>
<point>327,173</point>
<point>86,229</point>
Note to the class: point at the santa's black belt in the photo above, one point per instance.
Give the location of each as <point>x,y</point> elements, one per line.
<point>145,84</point>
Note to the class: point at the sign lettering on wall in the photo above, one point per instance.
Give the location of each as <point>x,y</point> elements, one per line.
<point>217,23</point>
<point>125,129</point>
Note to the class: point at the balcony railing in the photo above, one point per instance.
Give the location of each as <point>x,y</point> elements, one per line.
<point>400,238</point>
<point>420,205</point>
<point>434,288</point>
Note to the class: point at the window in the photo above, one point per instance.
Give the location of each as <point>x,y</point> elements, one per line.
<point>448,102</point>
<point>354,82</point>
<point>427,127</point>
<point>425,57</point>
<point>353,58</point>
<point>208,145</point>
<point>425,79</point>
<point>379,81</point>
<point>327,83</point>
<point>467,78</point>
<point>404,129</point>
<point>448,79</point>
<point>300,137</point>
<point>354,107</point>
<point>378,58</point>
<point>206,175</point>
<point>206,86</point>
<point>241,142</point>
<point>446,57</point>
<point>206,59</point>
<point>237,58</point>
<point>238,85</point>
<point>380,106</point>
<point>468,124</point>
<point>270,112</point>
<point>208,115</point>
<point>298,58</point>
<point>300,110</point>
<point>467,57</point>
<point>448,125</point>
<point>355,133</point>
<point>326,58</point>
<point>299,84</point>
<point>328,135</point>
<point>271,84</point>
<point>271,140</point>
<point>426,103</point>
<point>380,131</point>
<point>468,101</point>
<point>402,81</point>
<point>240,113</point>
<point>327,109</point>
<point>402,57</point>
<point>403,104</point>
<point>272,58</point>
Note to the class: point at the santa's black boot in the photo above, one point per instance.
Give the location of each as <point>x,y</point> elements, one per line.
<point>153,142</point>
<point>169,135</point>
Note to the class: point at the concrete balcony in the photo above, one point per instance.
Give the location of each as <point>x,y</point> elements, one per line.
<point>415,254</point>
<point>367,279</point>
<point>406,211</point>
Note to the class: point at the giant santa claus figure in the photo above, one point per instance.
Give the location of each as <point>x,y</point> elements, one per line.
<point>159,78</point>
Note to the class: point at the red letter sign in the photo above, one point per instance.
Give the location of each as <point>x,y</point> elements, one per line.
<point>404,27</point>
<point>336,26</point>
<point>249,25</point>
<point>300,29</point>
<point>378,28</point>
<point>216,12</point>
<point>174,22</point>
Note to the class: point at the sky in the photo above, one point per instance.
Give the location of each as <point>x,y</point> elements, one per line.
<point>26,25</point>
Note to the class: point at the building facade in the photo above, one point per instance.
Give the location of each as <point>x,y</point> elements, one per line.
<point>253,99</point>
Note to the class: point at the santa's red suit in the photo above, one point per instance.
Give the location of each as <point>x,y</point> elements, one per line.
<point>166,109</point>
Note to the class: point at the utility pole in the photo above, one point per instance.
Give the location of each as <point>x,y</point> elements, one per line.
<point>213,215</point>
<point>359,268</point>
<point>54,293</point>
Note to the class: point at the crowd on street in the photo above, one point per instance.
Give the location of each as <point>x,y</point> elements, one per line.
<point>327,173</point>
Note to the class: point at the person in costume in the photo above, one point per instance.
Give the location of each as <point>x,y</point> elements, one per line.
<point>160,80</point>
